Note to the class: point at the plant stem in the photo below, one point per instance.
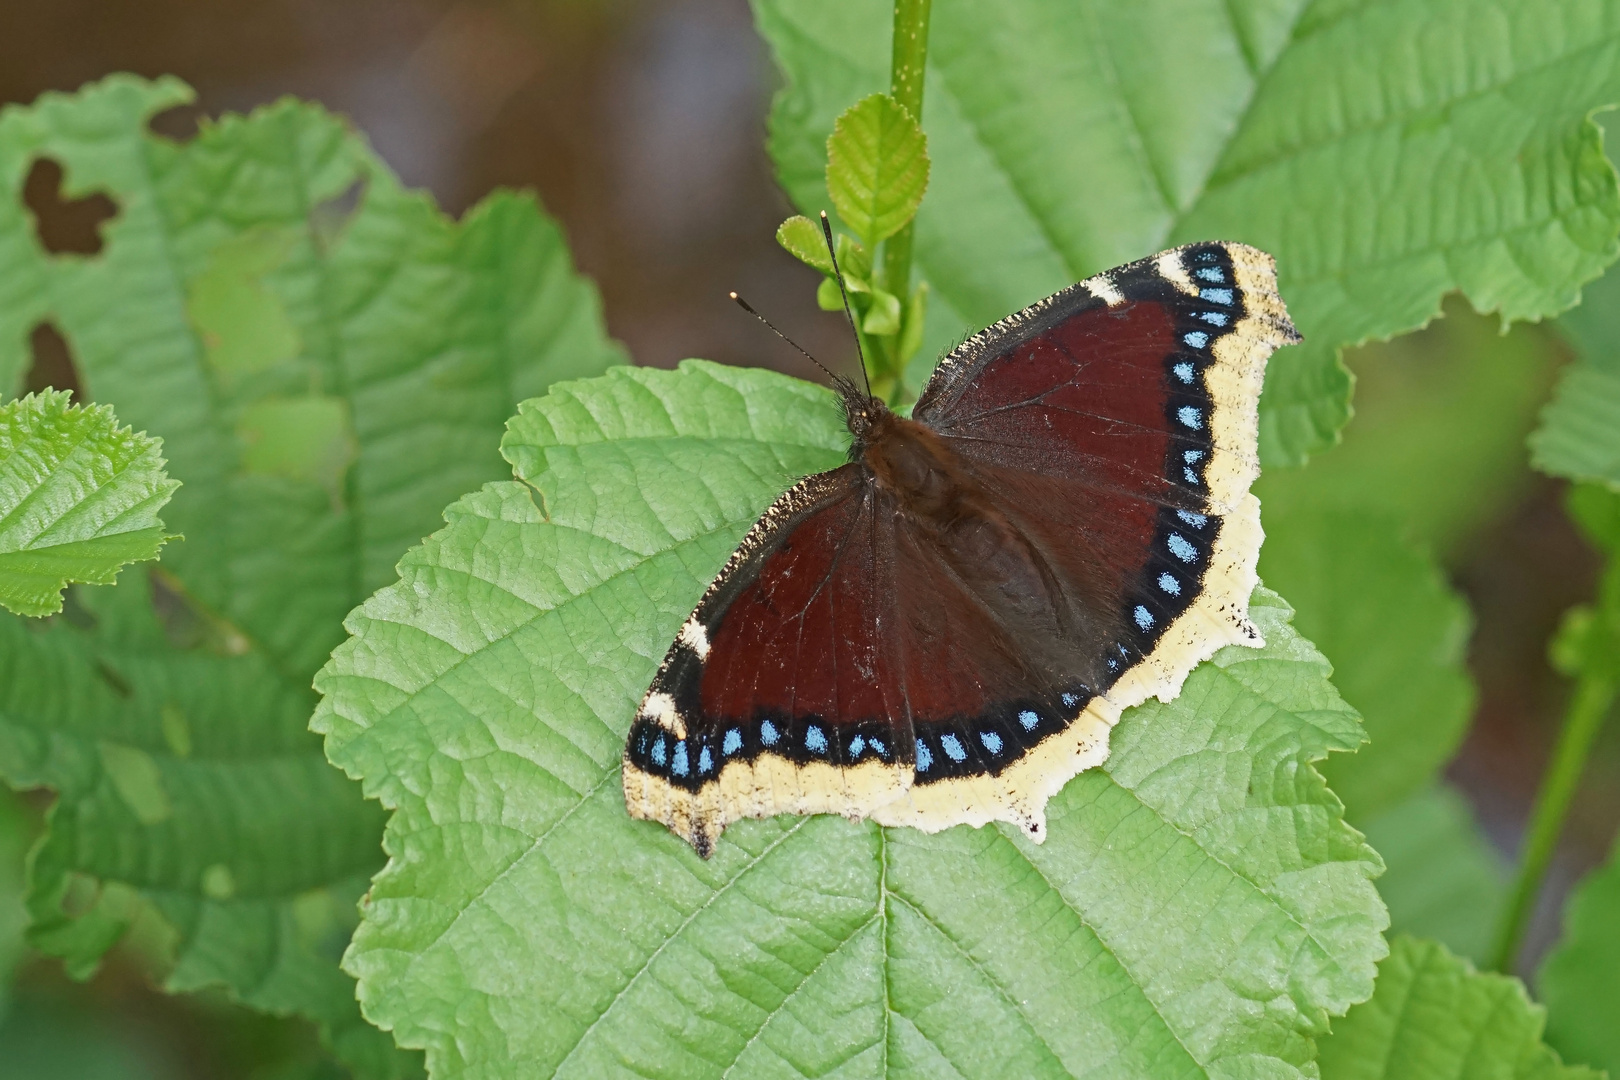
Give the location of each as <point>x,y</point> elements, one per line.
<point>1594,695</point>
<point>907,66</point>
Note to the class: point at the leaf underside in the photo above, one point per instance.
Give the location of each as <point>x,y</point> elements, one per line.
<point>1386,153</point>
<point>329,360</point>
<point>1200,908</point>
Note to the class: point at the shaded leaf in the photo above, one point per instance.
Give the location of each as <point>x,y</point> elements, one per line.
<point>329,360</point>
<point>1396,633</point>
<point>79,498</point>
<point>877,167</point>
<point>1199,907</point>
<point>1433,1017</point>
<point>1443,879</point>
<point>1580,979</point>
<point>1382,173</point>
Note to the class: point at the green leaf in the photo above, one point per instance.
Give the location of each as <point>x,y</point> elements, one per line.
<point>14,837</point>
<point>1434,1017</point>
<point>1443,879</point>
<point>1580,979</point>
<point>803,240</point>
<point>1396,633</point>
<point>1382,172</point>
<point>79,498</point>
<point>877,167</point>
<point>329,360</point>
<point>1199,907</point>
<point>1458,396</point>
<point>1577,437</point>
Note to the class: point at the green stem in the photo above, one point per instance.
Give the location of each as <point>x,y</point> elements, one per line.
<point>1594,694</point>
<point>908,64</point>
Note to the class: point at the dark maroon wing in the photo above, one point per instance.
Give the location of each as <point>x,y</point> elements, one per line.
<point>1114,425</point>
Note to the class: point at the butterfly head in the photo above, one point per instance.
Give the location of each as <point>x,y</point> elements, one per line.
<point>865,415</point>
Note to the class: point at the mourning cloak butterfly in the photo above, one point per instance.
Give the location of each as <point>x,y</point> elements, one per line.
<point>944,629</point>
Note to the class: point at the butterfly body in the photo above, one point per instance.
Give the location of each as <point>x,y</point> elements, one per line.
<point>944,629</point>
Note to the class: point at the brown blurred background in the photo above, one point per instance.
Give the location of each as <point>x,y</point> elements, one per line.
<point>641,124</point>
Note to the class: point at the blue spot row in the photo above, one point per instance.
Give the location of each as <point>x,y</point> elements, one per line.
<point>1182,548</point>
<point>1169,584</point>
<point>1214,296</point>
<point>1195,520</point>
<point>1211,273</point>
<point>1191,416</point>
<point>1196,338</point>
<point>1184,371</point>
<point>1143,617</point>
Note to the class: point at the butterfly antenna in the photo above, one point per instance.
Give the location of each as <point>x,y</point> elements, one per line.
<point>740,302</point>
<point>826,231</point>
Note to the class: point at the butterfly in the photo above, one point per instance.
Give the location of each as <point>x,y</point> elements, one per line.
<point>945,629</point>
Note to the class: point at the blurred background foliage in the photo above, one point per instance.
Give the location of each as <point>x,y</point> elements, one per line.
<point>641,125</point>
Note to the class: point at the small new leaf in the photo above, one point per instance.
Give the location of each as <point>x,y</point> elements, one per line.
<point>1433,1017</point>
<point>802,239</point>
<point>877,167</point>
<point>79,498</point>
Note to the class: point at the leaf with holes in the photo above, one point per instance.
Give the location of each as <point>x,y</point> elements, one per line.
<point>1434,1017</point>
<point>1381,172</point>
<point>79,498</point>
<point>1199,908</point>
<point>329,360</point>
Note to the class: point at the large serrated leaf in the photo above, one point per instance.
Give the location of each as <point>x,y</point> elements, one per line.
<point>328,360</point>
<point>1386,153</point>
<point>1433,1017</point>
<point>79,497</point>
<point>1199,908</point>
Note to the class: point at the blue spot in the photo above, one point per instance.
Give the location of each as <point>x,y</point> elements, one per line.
<point>1143,617</point>
<point>678,767</point>
<point>1214,318</point>
<point>705,762</point>
<point>925,760</point>
<point>1190,417</point>
<point>878,748</point>
<point>856,745</point>
<point>1113,665</point>
<point>641,743</point>
<point>1181,548</point>
<point>767,733</point>
<point>953,747</point>
<point>1184,372</point>
<point>1169,584</point>
<point>1195,520</point>
<point>1191,477</point>
<point>1070,700</point>
<point>659,755</point>
<point>1191,456</point>
<point>815,740</point>
<point>992,741</point>
<point>1028,719</point>
<point>1214,296</point>
<point>1196,338</point>
<point>1211,273</point>
<point>733,742</point>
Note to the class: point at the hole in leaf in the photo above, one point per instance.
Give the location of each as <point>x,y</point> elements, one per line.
<point>177,124</point>
<point>52,367</point>
<point>64,226</point>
